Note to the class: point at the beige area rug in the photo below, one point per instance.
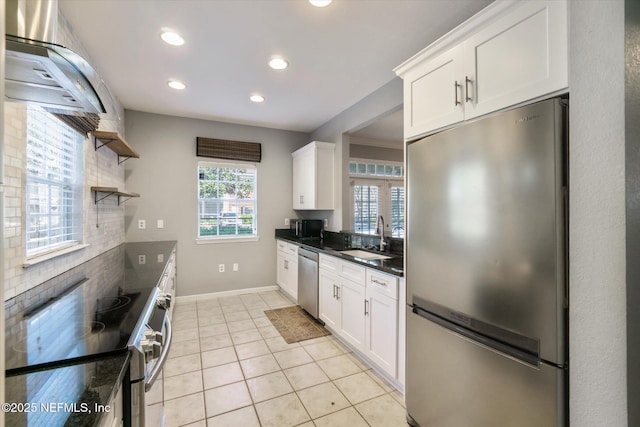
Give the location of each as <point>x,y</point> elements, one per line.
<point>294,324</point>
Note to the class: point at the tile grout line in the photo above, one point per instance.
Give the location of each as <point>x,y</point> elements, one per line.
<point>362,366</point>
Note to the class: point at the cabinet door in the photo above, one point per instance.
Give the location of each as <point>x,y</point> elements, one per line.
<point>402,331</point>
<point>433,94</point>
<point>281,271</point>
<point>304,179</point>
<point>519,57</point>
<point>287,274</point>
<point>382,331</point>
<point>292,282</point>
<point>352,306</point>
<point>329,304</point>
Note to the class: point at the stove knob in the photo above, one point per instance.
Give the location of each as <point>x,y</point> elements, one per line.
<point>164,301</point>
<point>151,349</point>
<point>151,335</point>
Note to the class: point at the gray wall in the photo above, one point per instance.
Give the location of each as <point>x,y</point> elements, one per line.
<point>632,168</point>
<point>597,318</point>
<point>166,177</point>
<point>385,100</point>
<point>376,153</point>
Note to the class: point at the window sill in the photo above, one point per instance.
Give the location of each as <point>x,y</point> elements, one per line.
<point>231,239</point>
<point>50,255</point>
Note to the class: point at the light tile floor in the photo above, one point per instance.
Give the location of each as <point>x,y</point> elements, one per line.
<point>228,366</point>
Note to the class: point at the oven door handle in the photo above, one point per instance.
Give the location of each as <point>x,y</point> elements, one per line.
<point>163,355</point>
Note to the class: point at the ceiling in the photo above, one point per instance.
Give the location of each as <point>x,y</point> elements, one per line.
<point>387,130</point>
<point>338,54</point>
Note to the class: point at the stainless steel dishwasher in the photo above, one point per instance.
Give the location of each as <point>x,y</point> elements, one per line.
<point>308,281</point>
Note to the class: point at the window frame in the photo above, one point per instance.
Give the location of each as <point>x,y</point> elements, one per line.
<point>384,184</point>
<point>216,239</point>
<point>76,242</point>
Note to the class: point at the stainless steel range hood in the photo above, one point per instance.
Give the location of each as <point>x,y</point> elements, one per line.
<point>39,71</point>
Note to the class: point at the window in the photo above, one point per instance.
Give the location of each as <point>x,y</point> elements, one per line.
<point>366,207</point>
<point>226,201</point>
<point>377,189</point>
<point>54,184</point>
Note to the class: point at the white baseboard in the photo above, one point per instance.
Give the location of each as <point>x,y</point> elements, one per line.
<point>235,292</point>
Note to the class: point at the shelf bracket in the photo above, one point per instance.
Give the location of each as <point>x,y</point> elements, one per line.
<point>125,158</point>
<point>96,146</point>
<point>96,199</point>
<point>121,200</point>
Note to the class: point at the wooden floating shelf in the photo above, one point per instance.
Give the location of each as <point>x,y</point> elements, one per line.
<point>112,191</point>
<point>115,143</point>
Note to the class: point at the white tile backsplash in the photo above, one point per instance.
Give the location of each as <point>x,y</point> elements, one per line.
<point>103,223</point>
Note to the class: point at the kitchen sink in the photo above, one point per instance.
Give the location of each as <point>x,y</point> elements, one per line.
<point>364,254</point>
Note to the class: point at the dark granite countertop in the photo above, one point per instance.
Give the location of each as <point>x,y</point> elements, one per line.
<point>334,247</point>
<point>75,395</point>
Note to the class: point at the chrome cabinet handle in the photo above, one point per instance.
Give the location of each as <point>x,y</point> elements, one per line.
<point>286,264</point>
<point>334,291</point>
<point>366,303</point>
<point>455,93</point>
<point>378,282</point>
<point>467,80</point>
<point>337,292</point>
<point>163,355</point>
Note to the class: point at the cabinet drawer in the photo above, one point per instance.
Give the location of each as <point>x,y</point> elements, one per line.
<point>292,249</point>
<point>344,269</point>
<point>282,245</point>
<point>383,284</point>
<point>329,263</point>
<point>352,271</point>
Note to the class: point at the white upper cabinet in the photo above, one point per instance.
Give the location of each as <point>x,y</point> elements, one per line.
<point>313,173</point>
<point>509,53</point>
<point>519,57</point>
<point>433,93</point>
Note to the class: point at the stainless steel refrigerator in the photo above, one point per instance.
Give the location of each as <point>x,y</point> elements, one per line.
<point>487,294</point>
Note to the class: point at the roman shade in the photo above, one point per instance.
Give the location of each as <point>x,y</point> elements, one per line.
<point>230,150</point>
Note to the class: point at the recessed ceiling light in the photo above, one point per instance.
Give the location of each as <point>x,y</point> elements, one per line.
<point>172,38</point>
<point>278,63</point>
<point>176,84</point>
<point>320,3</point>
<point>256,98</point>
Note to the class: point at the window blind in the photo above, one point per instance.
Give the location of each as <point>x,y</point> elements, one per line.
<point>54,183</point>
<point>229,150</point>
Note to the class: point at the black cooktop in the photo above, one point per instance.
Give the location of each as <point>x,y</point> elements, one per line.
<point>86,313</point>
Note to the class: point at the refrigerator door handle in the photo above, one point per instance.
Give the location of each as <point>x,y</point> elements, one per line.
<point>507,350</point>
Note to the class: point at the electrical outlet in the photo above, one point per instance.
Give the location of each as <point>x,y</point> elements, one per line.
<point>235,266</point>
<point>286,221</point>
<point>326,222</point>
<point>160,258</point>
<point>142,259</point>
<point>220,268</point>
<point>142,224</point>
<point>160,223</point>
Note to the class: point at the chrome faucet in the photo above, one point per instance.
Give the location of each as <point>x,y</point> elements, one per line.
<point>380,231</point>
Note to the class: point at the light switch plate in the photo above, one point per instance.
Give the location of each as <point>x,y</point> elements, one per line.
<point>160,223</point>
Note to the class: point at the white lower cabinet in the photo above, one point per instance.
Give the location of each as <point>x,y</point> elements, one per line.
<point>364,314</point>
<point>328,301</point>
<point>352,309</point>
<point>381,344</point>
<point>287,271</point>
<point>341,306</point>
